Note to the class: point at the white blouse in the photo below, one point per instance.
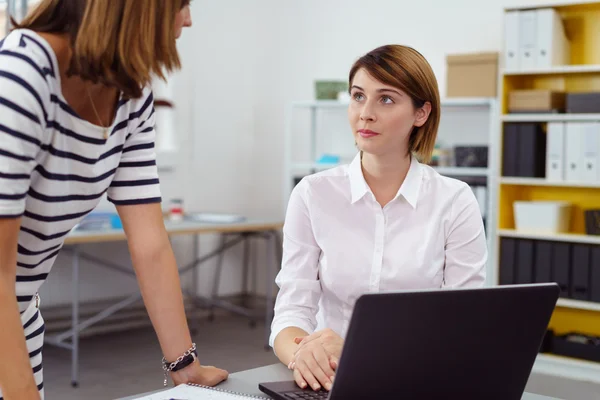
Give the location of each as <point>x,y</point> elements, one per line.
<point>339,243</point>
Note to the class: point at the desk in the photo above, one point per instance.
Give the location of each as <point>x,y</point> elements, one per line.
<point>247,382</point>
<point>230,235</point>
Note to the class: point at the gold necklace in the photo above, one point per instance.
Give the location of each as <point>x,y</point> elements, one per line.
<point>105,131</point>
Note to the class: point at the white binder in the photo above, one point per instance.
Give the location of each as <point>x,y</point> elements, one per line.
<point>553,47</point>
<point>574,150</point>
<point>528,39</point>
<point>555,158</point>
<point>590,149</point>
<point>511,41</point>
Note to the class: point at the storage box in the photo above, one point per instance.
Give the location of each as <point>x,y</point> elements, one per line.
<point>542,216</point>
<point>583,102</point>
<point>577,345</point>
<point>592,222</point>
<point>472,75</point>
<point>536,100</point>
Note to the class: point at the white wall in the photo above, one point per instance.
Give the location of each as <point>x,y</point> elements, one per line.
<point>244,61</point>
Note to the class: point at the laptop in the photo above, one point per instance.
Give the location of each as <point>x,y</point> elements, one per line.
<point>438,344</point>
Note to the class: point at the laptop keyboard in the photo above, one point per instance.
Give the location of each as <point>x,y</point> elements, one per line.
<point>307,395</point>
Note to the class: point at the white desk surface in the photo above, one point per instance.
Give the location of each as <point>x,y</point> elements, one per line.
<point>247,382</point>
<point>177,228</point>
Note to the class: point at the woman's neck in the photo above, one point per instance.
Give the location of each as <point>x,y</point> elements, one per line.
<point>385,174</point>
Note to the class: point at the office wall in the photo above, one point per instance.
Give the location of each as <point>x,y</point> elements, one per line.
<point>244,61</point>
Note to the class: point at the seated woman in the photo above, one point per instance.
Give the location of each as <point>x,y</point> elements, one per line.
<point>384,222</point>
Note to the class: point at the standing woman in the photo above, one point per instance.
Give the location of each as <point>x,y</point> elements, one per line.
<point>76,122</point>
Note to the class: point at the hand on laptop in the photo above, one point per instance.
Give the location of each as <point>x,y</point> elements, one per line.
<point>316,359</point>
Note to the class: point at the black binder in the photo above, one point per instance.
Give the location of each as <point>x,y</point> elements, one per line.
<point>531,151</point>
<point>525,261</point>
<point>595,273</point>
<point>510,150</point>
<point>580,266</point>
<point>561,266</point>
<point>543,262</point>
<point>508,251</point>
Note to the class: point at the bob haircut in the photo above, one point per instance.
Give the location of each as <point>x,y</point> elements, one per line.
<point>119,43</point>
<point>406,69</point>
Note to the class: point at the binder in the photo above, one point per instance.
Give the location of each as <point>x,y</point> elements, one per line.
<point>561,266</point>
<point>531,161</point>
<point>553,47</point>
<point>511,41</point>
<point>595,273</point>
<point>581,272</point>
<point>543,261</point>
<point>574,134</point>
<point>508,248</point>
<point>525,261</point>
<point>528,39</point>
<point>555,161</point>
<point>591,152</point>
<point>510,149</point>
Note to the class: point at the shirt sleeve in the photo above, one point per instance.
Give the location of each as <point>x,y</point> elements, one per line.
<point>136,179</point>
<point>300,290</point>
<point>22,125</point>
<point>466,247</point>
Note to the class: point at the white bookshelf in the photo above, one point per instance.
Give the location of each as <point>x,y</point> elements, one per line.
<point>578,304</point>
<point>545,182</point>
<point>557,237</point>
<point>462,171</point>
<point>549,117</point>
<point>562,69</point>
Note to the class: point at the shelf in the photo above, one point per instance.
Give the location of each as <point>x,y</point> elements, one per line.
<point>562,69</point>
<point>467,102</point>
<point>544,182</point>
<point>461,171</point>
<point>578,304</point>
<point>315,166</point>
<point>548,117</point>
<point>558,237</point>
<point>566,367</point>
<point>320,104</point>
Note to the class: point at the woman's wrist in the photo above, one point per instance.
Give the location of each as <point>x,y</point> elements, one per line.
<point>189,357</point>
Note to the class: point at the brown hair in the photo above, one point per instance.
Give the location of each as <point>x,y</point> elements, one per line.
<point>406,69</point>
<point>120,43</point>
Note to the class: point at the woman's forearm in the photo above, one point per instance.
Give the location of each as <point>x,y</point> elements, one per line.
<point>284,344</point>
<point>159,282</point>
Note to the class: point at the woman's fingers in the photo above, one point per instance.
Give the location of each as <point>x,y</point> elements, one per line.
<point>306,374</point>
<point>299,379</point>
<point>324,365</point>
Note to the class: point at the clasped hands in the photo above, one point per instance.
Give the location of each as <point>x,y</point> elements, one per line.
<point>316,359</point>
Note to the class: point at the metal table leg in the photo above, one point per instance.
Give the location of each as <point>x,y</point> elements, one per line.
<point>75,319</point>
<point>270,238</point>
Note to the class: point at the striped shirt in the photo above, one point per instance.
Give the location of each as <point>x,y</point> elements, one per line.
<point>54,166</point>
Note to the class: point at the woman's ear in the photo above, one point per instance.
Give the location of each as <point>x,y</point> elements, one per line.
<point>422,114</point>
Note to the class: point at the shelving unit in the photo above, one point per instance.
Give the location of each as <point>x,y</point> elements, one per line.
<point>583,75</point>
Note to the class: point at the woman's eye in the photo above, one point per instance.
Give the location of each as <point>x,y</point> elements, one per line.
<point>358,96</point>
<point>387,100</point>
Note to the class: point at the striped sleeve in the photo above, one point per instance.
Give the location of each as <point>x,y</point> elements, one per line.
<point>22,123</point>
<point>136,179</point>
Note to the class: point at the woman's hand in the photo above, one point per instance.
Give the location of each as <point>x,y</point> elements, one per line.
<point>316,359</point>
<point>200,374</point>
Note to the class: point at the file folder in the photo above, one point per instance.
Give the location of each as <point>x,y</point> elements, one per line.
<point>581,272</point>
<point>574,134</point>
<point>528,39</point>
<point>543,261</point>
<point>595,274</point>
<point>555,161</point>
<point>553,47</point>
<point>525,261</point>
<point>508,249</point>
<point>561,266</point>
<point>511,41</point>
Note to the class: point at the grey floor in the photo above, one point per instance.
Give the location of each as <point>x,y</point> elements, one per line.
<point>121,364</point>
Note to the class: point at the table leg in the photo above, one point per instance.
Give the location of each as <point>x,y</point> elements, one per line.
<point>75,319</point>
<point>217,278</point>
<point>271,242</point>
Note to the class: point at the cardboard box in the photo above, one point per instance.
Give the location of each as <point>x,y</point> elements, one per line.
<point>536,100</point>
<point>472,75</point>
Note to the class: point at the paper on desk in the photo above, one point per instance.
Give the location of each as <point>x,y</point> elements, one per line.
<point>187,392</point>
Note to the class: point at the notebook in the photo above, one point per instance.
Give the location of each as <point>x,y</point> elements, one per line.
<point>198,392</point>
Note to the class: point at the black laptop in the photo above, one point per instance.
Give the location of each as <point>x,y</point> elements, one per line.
<point>438,344</point>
